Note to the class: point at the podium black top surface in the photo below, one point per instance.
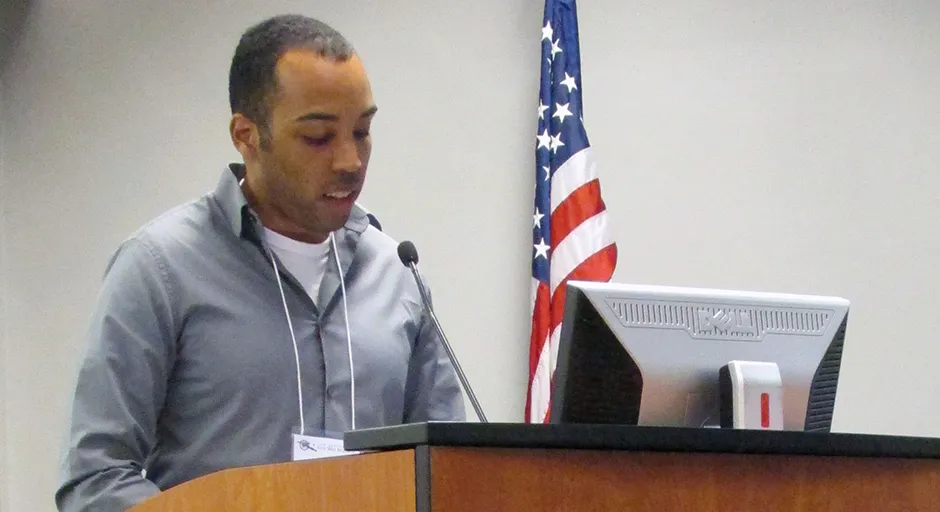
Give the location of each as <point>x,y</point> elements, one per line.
<point>634,438</point>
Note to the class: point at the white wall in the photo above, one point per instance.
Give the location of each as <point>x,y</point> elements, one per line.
<point>784,146</point>
<point>758,145</point>
<point>9,21</point>
<point>4,467</point>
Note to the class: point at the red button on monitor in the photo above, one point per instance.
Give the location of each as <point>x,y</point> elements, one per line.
<point>764,410</point>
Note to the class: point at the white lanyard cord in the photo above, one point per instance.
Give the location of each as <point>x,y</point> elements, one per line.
<point>293,338</point>
<point>352,374</point>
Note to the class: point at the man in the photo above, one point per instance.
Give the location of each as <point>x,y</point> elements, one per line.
<point>264,309</point>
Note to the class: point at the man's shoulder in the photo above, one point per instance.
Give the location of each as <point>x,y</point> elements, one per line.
<point>177,228</point>
<point>378,248</point>
<point>378,252</point>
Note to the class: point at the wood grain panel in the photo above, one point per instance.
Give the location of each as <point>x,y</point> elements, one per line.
<point>475,479</point>
<point>382,481</point>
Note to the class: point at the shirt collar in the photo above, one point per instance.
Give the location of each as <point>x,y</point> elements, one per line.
<point>244,222</point>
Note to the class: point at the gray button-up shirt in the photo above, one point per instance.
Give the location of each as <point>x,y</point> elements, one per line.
<point>190,367</point>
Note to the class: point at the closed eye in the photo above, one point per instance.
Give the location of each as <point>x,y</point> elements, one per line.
<point>318,141</point>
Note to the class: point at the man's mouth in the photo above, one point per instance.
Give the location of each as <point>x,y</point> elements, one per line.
<point>341,198</point>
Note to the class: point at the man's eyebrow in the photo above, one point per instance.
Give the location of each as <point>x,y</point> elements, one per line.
<point>317,116</point>
<point>323,116</point>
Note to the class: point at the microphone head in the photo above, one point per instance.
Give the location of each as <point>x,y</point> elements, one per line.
<point>407,253</point>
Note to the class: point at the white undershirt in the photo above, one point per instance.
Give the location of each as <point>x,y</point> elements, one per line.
<point>306,261</point>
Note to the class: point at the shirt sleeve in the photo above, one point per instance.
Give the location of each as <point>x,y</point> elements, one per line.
<point>120,387</point>
<point>433,391</point>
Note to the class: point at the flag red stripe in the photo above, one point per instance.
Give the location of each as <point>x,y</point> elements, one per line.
<point>584,203</point>
<point>598,267</point>
<point>540,326</point>
<point>541,315</point>
<point>548,406</point>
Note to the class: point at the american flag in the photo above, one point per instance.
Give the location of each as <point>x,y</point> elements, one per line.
<point>570,235</point>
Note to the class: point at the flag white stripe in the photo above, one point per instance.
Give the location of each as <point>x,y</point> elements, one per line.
<point>553,343</point>
<point>577,171</point>
<point>541,384</point>
<point>584,241</point>
<point>542,379</point>
<point>533,293</point>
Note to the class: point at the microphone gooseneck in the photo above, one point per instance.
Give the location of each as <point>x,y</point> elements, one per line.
<point>408,255</point>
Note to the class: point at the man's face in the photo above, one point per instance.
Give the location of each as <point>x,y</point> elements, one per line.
<point>313,164</point>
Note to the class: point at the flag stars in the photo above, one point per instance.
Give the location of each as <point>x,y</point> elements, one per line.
<point>542,108</point>
<point>555,143</point>
<point>547,31</point>
<point>545,140</point>
<point>541,249</point>
<point>548,172</point>
<point>569,82</point>
<point>561,112</point>
<point>555,49</point>
<point>537,219</point>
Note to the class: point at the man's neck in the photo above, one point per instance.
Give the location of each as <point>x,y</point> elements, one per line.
<point>273,217</point>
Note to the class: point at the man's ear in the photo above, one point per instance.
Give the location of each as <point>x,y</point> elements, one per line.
<point>245,136</point>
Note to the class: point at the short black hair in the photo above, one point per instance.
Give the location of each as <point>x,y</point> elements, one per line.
<point>252,78</point>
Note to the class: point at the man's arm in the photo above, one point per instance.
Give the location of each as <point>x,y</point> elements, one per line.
<point>433,390</point>
<point>121,386</point>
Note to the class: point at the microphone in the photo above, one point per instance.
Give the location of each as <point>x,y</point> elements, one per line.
<point>408,255</point>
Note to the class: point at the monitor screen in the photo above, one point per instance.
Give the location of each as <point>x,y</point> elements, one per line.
<point>651,355</point>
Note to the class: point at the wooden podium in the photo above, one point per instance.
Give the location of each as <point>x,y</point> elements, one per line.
<point>459,467</point>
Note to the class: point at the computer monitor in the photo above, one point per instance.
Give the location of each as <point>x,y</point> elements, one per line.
<point>651,355</point>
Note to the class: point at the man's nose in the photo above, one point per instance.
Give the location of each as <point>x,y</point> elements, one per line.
<point>346,157</point>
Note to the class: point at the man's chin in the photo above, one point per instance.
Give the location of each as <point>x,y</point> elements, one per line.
<point>334,213</point>
<point>323,229</point>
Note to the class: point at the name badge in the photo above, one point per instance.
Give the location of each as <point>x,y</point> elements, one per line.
<point>316,447</point>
